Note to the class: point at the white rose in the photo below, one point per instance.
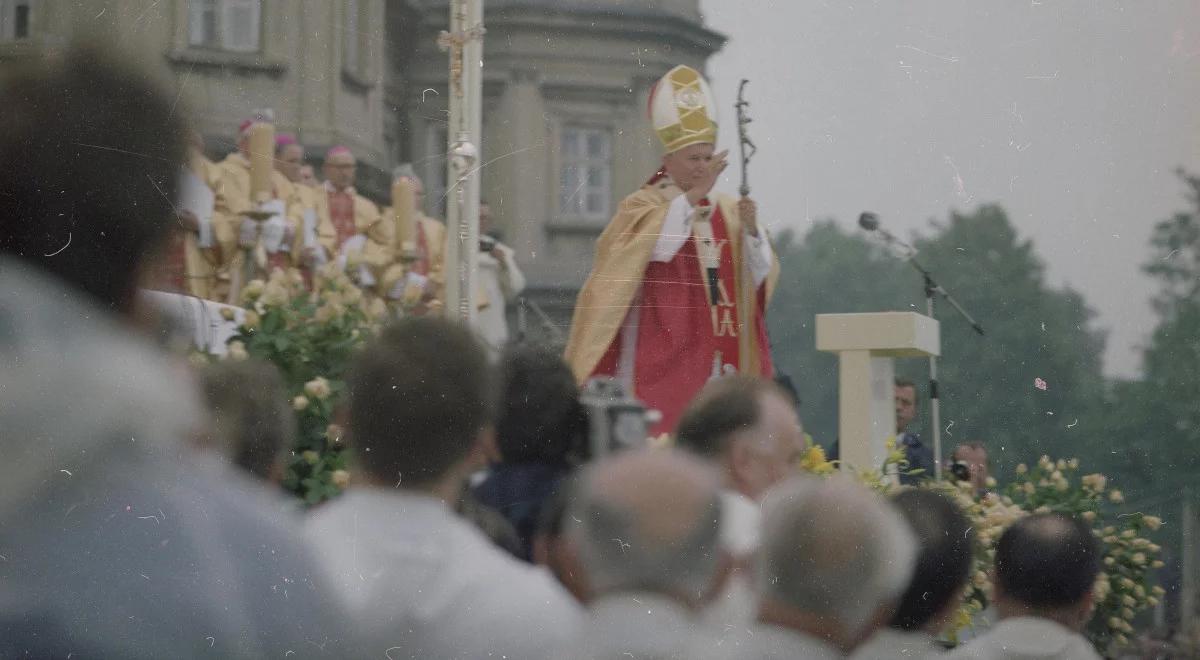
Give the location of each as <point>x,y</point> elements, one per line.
<point>317,388</point>
<point>340,478</point>
<point>300,402</point>
<point>253,289</point>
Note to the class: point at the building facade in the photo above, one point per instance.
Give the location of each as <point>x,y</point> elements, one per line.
<point>566,85</point>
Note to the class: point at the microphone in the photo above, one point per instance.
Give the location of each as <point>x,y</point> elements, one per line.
<point>870,222</point>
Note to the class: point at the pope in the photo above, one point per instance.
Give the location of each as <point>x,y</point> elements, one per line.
<point>682,274</point>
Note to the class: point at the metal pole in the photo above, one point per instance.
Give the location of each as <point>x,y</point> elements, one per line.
<point>464,42</point>
<point>935,405</point>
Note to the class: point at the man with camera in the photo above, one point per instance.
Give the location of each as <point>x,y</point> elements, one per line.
<point>500,280</point>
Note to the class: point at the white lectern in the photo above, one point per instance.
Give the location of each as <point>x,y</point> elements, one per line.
<point>865,345</point>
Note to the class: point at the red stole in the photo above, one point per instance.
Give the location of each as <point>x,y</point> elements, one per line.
<point>683,322</point>
<point>341,214</point>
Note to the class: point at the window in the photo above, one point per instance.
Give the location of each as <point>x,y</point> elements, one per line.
<point>14,19</point>
<point>585,178</point>
<point>233,25</point>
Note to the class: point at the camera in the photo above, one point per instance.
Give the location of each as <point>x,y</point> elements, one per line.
<point>616,420</point>
<point>486,243</point>
<point>960,471</point>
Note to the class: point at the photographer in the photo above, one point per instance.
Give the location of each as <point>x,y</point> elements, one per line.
<point>969,462</point>
<point>500,280</point>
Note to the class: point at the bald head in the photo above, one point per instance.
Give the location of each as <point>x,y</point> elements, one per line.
<point>833,550</point>
<point>648,521</point>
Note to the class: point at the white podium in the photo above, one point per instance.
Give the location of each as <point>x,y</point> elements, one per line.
<point>865,345</point>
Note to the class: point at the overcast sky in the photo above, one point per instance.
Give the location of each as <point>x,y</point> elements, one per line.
<point>1072,115</point>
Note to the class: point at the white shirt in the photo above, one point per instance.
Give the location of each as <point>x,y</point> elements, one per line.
<point>420,582</point>
<point>117,540</point>
<point>763,642</point>
<point>1027,638</point>
<point>500,282</point>
<point>637,625</point>
<point>889,643</point>
<point>736,606</point>
<point>677,229</point>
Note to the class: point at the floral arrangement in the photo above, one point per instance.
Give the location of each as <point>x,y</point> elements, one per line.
<point>1123,587</point>
<point>310,335</point>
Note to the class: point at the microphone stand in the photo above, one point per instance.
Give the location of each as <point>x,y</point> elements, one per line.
<point>932,291</point>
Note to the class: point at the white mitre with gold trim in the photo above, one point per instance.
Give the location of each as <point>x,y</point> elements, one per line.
<point>683,110</point>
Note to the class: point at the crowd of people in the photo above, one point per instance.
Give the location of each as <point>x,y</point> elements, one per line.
<point>136,523</point>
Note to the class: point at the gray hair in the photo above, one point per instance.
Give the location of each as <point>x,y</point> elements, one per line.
<point>626,543</point>
<point>833,548</point>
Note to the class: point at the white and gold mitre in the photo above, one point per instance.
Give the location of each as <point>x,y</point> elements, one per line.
<point>682,109</point>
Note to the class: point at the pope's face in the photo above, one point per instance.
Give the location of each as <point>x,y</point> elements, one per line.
<point>339,170</point>
<point>689,165</point>
<point>308,176</point>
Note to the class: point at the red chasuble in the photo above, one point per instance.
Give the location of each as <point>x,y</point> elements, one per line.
<point>687,328</point>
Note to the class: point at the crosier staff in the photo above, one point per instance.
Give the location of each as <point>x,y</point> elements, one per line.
<point>748,215</point>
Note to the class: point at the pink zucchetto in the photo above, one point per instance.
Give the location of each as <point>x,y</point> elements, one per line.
<point>338,150</point>
<point>284,139</point>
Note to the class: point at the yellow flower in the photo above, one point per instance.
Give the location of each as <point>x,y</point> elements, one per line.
<point>1127,613</point>
<point>1116,497</point>
<point>1061,465</point>
<point>1158,591</point>
<point>333,433</point>
<point>1022,469</point>
<point>317,388</point>
<point>1128,600</point>
<point>1029,488</point>
<point>300,402</point>
<point>1153,522</point>
<point>251,320</point>
<point>1045,463</point>
<point>1114,623</point>
<point>990,482</point>
<point>352,296</point>
<point>1128,534</point>
<point>1089,516</point>
<point>1127,584</point>
<point>311,457</point>
<point>814,461</point>
<point>980,579</point>
<point>1042,509</point>
<point>340,478</point>
<point>1120,639</point>
<point>237,351</point>
<point>1110,539</point>
<point>1073,464</point>
<point>1109,561</point>
<point>1152,601</point>
<point>1156,564</point>
<point>227,313</point>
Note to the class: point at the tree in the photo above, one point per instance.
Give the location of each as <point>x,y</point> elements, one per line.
<point>988,383</point>
<point>1155,423</point>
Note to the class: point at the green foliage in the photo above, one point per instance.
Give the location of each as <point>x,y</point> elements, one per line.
<point>987,382</point>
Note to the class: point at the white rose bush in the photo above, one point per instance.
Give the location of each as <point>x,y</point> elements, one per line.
<point>310,335</point>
